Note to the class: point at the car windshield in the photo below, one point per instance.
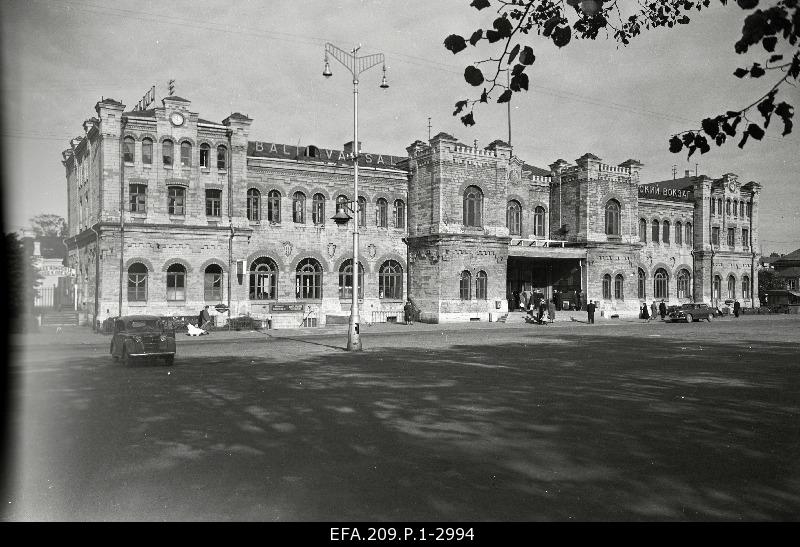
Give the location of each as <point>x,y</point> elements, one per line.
<point>139,325</point>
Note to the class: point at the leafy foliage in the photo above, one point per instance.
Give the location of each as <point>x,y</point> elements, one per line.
<point>773,27</point>
<point>21,279</point>
<point>49,225</point>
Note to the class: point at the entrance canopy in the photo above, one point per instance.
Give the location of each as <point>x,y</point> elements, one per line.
<point>544,248</point>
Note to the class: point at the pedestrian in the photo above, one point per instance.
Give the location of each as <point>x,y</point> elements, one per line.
<point>408,311</point>
<point>557,299</point>
<point>645,314</point>
<point>523,299</point>
<point>662,310</point>
<point>204,319</point>
<point>653,310</point>
<point>590,307</point>
<point>542,305</point>
<point>737,308</point>
<point>551,310</point>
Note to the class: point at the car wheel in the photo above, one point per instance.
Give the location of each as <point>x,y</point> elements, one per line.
<point>169,360</point>
<point>689,318</point>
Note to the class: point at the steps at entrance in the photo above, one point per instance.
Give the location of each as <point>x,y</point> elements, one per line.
<point>59,318</point>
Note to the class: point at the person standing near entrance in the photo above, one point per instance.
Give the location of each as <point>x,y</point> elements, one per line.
<point>204,319</point>
<point>590,307</point>
<point>737,308</point>
<point>551,310</point>
<point>653,310</point>
<point>408,311</point>
<point>523,299</point>
<point>645,313</point>
<point>662,310</point>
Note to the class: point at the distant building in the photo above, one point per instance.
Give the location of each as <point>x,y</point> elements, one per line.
<point>169,212</point>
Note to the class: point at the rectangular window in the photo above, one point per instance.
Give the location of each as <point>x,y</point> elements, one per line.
<point>175,200</point>
<point>745,238</point>
<point>138,198</point>
<point>731,237</point>
<point>715,235</point>
<point>204,152</point>
<point>147,152</point>
<point>213,203</point>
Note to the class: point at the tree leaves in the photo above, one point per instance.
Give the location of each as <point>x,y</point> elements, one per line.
<point>473,75</point>
<point>480,4</point>
<point>455,43</point>
<point>476,36</point>
<point>562,36</point>
<point>747,4</point>
<point>518,82</point>
<point>513,54</point>
<point>675,144</point>
<point>468,119</point>
<point>505,97</point>
<point>460,105</point>
<point>527,57</point>
<point>784,110</point>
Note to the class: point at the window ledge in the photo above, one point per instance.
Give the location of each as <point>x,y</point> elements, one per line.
<point>129,164</point>
<point>147,166</point>
<point>181,218</point>
<point>168,167</point>
<point>137,303</point>
<point>222,171</point>
<point>205,170</point>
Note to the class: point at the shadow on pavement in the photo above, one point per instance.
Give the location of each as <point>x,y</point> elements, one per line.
<point>574,426</point>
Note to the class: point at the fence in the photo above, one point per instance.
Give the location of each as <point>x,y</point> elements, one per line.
<point>54,298</point>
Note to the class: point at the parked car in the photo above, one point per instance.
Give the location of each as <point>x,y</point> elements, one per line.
<point>141,336</point>
<point>691,312</point>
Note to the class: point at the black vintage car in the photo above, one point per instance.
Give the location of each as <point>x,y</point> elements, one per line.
<point>691,312</point>
<point>138,336</point>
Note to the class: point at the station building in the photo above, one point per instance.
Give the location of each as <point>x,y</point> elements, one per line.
<point>169,212</point>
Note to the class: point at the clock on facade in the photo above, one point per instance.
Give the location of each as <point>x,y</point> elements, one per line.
<point>176,118</point>
<point>731,186</point>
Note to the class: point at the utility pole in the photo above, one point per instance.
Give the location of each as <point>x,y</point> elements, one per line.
<point>429,128</point>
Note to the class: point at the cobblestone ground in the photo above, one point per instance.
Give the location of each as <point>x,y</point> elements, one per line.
<point>616,421</point>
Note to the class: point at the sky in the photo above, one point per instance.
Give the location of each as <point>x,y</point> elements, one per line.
<point>265,59</point>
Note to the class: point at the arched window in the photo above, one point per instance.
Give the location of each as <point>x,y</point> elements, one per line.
<point>263,279</point>
<point>346,280</point>
<point>727,207</point>
<point>128,149</point>
<point>665,232</point>
<point>619,287</point>
<point>741,209</point>
<point>308,280</point>
<point>749,209</point>
<point>661,284</point>
<point>655,231</point>
<point>689,234</point>
<point>362,211</point>
<point>382,213</point>
<point>318,209</point>
<point>607,287</point>
<point>473,206</point>
<point>612,218</point>
<point>399,213</point>
<point>212,283</point>
<point>205,154</point>
<point>746,287</point>
<point>735,208</point>
<point>678,233</point>
<point>176,200</point>
<point>465,285</point>
<point>137,282</point>
<point>390,280</point>
<point>717,289</point>
<point>642,230</point>
<point>481,285</point>
<point>684,290</point>
<point>176,283</point>
<point>299,208</point>
<point>253,204</point>
<point>538,222</point>
<point>186,154</point>
<point>713,206</point>
<point>147,151</point>
<point>274,206</point>
<point>719,206</point>
<point>513,218</point>
<point>222,158</point>
<point>166,153</point>
<point>641,285</point>
<point>731,287</point>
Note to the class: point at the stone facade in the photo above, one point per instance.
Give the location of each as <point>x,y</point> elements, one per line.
<point>169,212</point>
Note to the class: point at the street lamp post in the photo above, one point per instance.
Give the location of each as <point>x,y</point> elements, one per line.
<point>356,65</point>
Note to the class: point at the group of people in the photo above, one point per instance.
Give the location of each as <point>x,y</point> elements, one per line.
<point>654,312</point>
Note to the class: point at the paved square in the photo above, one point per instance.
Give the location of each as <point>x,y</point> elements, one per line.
<point>616,421</point>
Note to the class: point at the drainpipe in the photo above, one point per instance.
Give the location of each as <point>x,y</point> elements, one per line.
<point>121,215</point>
<point>230,221</point>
